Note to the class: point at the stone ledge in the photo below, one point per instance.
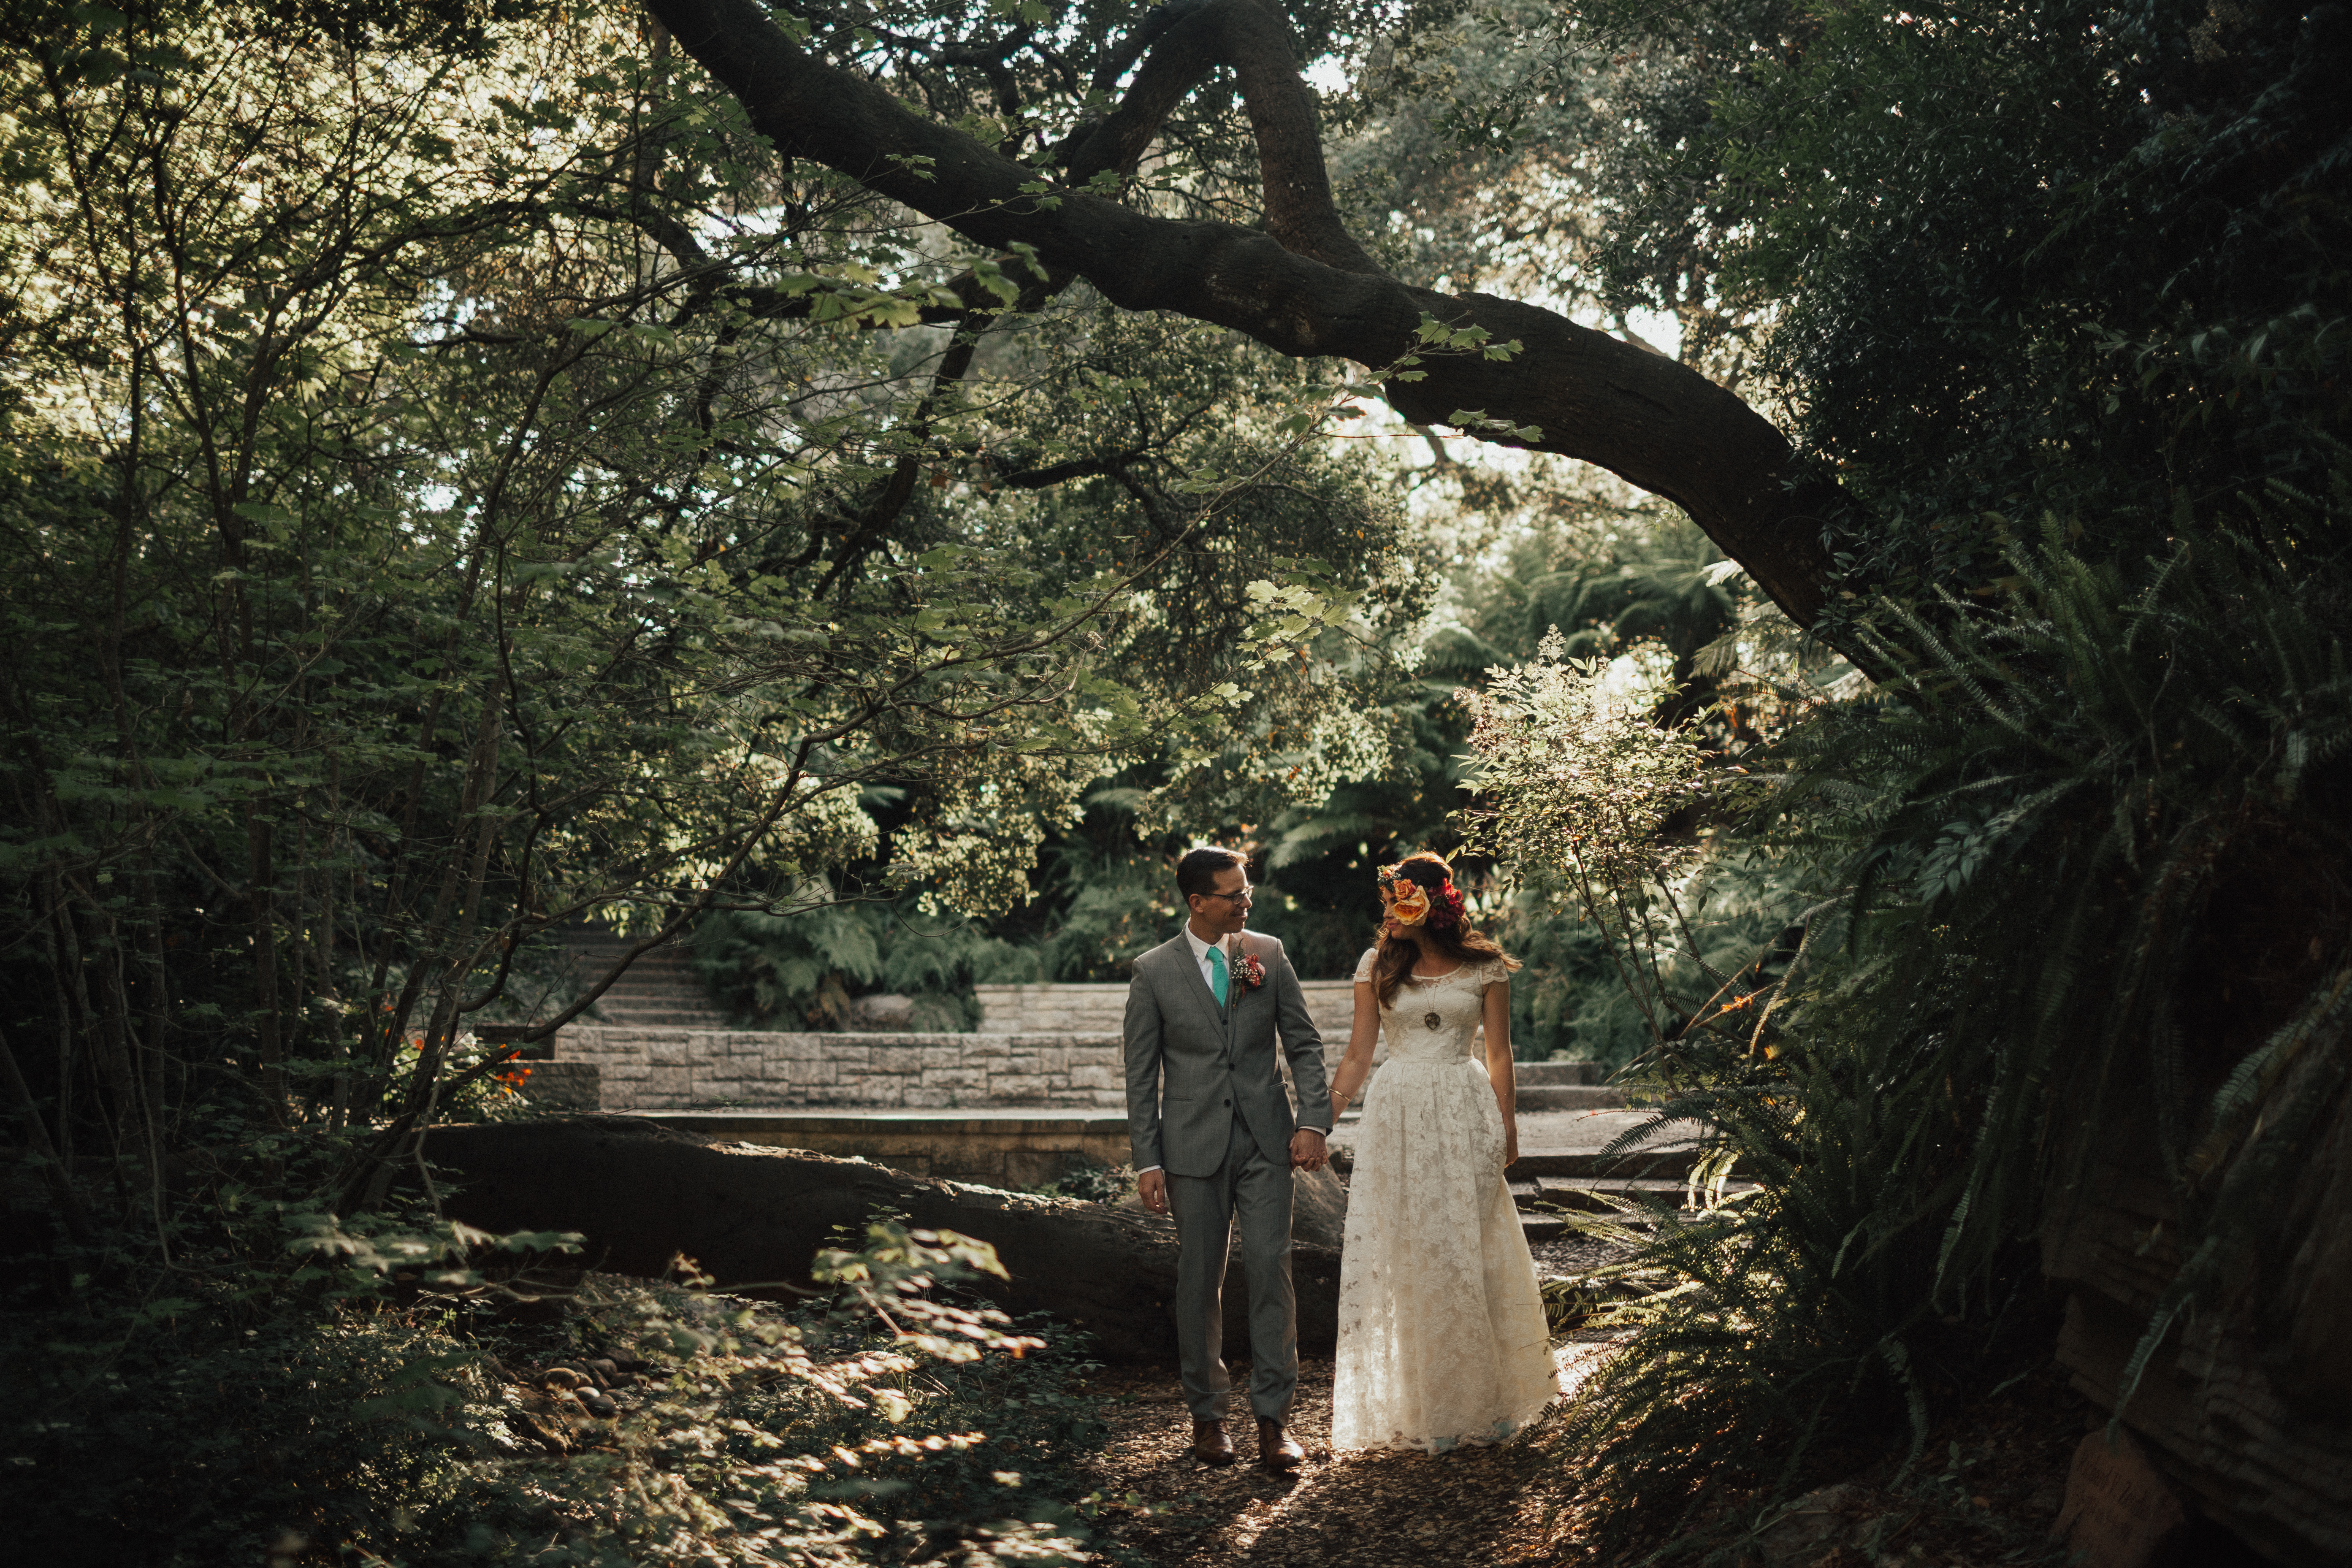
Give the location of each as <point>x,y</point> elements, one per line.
<point>1010,1148</point>
<point>665,1068</point>
<point>1001,1123</point>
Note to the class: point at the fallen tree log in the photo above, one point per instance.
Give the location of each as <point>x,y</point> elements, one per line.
<point>754,1219</point>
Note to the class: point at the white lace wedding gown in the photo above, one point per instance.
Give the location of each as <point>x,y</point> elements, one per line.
<point>1442,1334</point>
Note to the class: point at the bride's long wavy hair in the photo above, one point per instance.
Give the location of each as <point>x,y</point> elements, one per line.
<point>1454,940</point>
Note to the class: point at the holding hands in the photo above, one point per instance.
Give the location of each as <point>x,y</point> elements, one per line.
<point>1307,1152</point>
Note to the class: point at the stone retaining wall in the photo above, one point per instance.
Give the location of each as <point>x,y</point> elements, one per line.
<point>1037,1044</point>
<point>607,1067</point>
<point>667,1069</point>
<point>1097,1009</point>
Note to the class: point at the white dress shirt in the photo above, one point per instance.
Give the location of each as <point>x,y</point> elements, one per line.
<point>1201,956</point>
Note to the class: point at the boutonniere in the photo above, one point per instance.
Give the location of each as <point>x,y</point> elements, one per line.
<point>1249,972</point>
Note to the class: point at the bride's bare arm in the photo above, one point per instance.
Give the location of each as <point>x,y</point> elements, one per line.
<point>1356,1065</point>
<point>1499,1070</point>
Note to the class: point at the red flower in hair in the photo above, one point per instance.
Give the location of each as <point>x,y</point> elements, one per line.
<point>1412,902</point>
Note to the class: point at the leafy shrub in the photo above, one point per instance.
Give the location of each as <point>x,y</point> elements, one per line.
<point>802,970</point>
<point>2095,861</point>
<point>1092,1184</point>
<point>497,1096</point>
<point>352,1400</point>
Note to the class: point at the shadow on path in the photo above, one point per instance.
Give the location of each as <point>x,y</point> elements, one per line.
<point>1483,1507</point>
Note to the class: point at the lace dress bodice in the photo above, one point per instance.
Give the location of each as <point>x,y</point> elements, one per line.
<point>1435,1019</point>
<point>1442,1332</point>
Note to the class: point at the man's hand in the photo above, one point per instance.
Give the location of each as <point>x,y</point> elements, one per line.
<point>1306,1148</point>
<point>1152,1188</point>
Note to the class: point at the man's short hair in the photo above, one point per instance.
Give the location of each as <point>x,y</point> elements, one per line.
<point>1197,872</point>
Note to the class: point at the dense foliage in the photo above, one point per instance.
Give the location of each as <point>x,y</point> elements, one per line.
<point>459,480</point>
<point>425,538</point>
<point>373,1393</point>
<point>2008,258</point>
<point>457,483</point>
<point>2067,882</point>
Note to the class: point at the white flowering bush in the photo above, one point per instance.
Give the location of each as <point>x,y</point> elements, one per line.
<point>1575,784</point>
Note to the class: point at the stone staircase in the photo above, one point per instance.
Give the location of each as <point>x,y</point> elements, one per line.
<point>1539,1196</point>
<point>1563,1085</point>
<point>660,989</point>
<point>1546,1181</point>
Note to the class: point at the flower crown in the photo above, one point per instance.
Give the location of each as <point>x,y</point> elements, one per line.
<point>1414,903</point>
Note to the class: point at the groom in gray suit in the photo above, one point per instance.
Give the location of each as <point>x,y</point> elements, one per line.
<point>1216,1137</point>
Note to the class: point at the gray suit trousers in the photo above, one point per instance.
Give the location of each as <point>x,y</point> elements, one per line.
<point>1256,1190</point>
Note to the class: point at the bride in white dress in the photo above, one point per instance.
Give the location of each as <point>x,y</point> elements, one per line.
<point>1442,1333</point>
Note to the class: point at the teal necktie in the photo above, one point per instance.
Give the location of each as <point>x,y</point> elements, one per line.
<point>1217,975</point>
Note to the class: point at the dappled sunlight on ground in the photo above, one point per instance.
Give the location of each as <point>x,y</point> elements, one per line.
<point>1482,1506</point>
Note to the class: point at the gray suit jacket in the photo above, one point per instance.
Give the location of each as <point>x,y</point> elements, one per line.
<point>1191,1066</point>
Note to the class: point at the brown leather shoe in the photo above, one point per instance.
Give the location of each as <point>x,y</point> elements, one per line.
<point>1276,1450</point>
<point>1209,1444</point>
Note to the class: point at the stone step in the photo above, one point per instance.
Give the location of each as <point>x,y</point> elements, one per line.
<point>1550,1075</point>
<point>1569,1097</point>
<point>660,989</point>
<point>653,1010</point>
<point>605,954</point>
<point>1641,1165</point>
<point>1543,1224</point>
<point>1536,1198</point>
<point>601,936</point>
<point>641,973</point>
<point>664,996</point>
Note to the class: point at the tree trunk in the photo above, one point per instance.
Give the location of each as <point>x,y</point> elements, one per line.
<point>1301,285</point>
<point>754,1219</point>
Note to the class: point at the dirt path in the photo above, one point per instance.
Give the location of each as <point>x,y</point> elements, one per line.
<point>2002,1465</point>
<point>1475,1508</point>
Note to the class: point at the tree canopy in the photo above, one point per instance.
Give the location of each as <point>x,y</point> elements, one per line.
<point>473,466</point>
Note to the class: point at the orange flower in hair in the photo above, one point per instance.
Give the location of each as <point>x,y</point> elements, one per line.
<point>1412,905</point>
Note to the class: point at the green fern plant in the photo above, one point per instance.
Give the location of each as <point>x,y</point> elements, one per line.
<point>2061,849</point>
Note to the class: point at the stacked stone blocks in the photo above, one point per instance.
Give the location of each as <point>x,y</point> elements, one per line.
<point>1099,1009</point>
<point>669,1070</point>
<point>1055,1046</point>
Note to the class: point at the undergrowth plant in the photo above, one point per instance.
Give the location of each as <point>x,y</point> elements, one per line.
<point>803,968</point>
<point>2084,862</point>
<point>317,1389</point>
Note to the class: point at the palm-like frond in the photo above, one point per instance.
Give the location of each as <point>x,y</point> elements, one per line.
<point>2051,828</point>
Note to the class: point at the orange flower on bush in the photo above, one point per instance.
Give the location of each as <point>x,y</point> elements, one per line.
<point>1412,905</point>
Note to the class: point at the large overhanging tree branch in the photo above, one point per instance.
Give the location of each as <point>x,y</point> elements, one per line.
<point>1302,285</point>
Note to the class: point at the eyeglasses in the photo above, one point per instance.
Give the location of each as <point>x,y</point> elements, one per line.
<point>1243,897</point>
